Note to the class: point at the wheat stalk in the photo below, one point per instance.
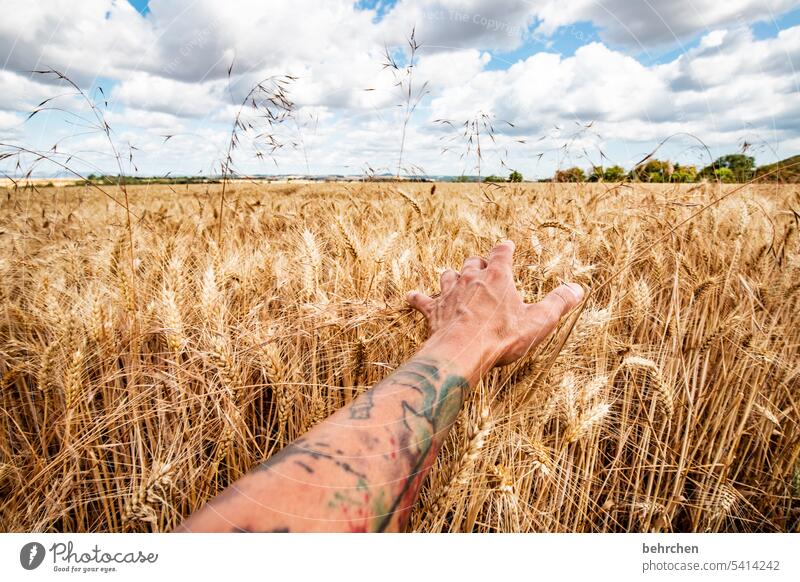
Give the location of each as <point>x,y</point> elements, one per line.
<point>225,352</point>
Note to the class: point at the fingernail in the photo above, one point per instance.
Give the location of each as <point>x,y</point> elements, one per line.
<point>576,290</point>
<point>507,242</point>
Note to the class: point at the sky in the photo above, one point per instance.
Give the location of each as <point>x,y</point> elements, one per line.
<point>542,84</point>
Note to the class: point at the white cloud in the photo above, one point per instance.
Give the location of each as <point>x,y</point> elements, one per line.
<point>154,121</point>
<point>727,56</point>
<point>170,71</point>
<point>727,89</point>
<point>545,89</point>
<point>451,69</point>
<point>83,39</point>
<point>456,24</point>
<point>145,91</point>
<point>22,92</point>
<point>10,122</point>
<point>200,40</point>
<point>645,24</point>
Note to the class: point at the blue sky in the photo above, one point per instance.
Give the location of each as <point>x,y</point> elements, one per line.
<point>141,6</point>
<point>568,39</point>
<point>580,81</point>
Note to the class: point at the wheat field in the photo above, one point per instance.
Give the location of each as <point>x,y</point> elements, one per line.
<point>139,378</point>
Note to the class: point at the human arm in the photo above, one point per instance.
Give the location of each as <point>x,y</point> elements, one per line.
<point>362,468</point>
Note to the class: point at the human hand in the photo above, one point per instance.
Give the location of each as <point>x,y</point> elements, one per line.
<point>480,306</point>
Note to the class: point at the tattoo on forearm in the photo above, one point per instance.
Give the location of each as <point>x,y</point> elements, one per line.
<point>302,449</point>
<point>359,507</point>
<point>424,422</point>
<point>362,406</point>
<point>427,402</point>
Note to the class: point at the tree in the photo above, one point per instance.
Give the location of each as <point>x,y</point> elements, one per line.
<point>596,174</point>
<point>515,176</point>
<point>614,174</point>
<point>684,174</point>
<point>573,174</point>
<point>494,178</point>
<point>653,171</point>
<point>742,167</point>
<point>725,175</point>
<point>610,174</point>
<point>784,171</point>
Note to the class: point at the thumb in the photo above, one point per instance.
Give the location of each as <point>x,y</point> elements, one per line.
<point>559,302</point>
<point>420,302</point>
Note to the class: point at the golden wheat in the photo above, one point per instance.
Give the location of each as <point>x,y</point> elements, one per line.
<point>135,390</point>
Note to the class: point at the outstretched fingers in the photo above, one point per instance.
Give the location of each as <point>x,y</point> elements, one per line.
<point>502,256</point>
<point>557,304</point>
<point>420,302</point>
<point>447,280</point>
<point>473,263</point>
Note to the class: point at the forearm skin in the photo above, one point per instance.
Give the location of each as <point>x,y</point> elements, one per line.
<point>361,469</point>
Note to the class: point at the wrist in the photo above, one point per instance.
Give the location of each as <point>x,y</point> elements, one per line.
<point>470,352</point>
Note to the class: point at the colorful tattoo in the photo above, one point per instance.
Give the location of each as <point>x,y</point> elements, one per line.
<point>427,403</point>
<point>425,419</point>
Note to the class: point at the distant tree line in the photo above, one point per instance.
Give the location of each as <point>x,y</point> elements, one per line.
<point>731,168</point>
<point>514,176</point>
<point>109,180</point>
